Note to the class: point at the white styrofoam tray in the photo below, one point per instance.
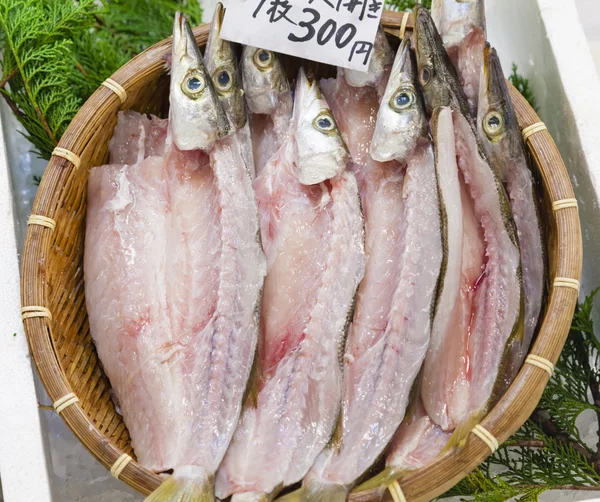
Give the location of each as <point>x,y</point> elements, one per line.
<point>544,37</point>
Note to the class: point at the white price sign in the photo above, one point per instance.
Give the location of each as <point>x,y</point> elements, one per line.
<point>337,32</point>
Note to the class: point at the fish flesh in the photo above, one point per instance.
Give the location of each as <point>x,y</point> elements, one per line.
<point>136,137</point>
<point>308,229</point>
<point>502,139</point>
<point>173,271</point>
<point>269,99</point>
<point>417,443</point>
<point>221,62</point>
<point>462,25</point>
<point>478,311</point>
<point>389,334</point>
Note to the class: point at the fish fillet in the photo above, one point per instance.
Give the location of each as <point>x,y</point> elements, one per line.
<point>390,331</point>
<point>478,309</point>
<point>173,271</point>
<point>313,239</point>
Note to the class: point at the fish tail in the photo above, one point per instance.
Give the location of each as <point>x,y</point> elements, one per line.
<point>184,489</point>
<point>375,488</point>
<point>462,431</point>
<point>317,492</point>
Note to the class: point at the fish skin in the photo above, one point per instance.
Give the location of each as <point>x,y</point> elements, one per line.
<point>462,25</point>
<point>399,128</point>
<point>389,334</point>
<point>437,75</point>
<point>222,63</point>
<point>307,231</point>
<point>481,271</point>
<point>269,99</point>
<point>508,157</point>
<point>321,153</point>
<point>196,117</point>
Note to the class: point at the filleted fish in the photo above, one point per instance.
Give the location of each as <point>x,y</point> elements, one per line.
<point>173,273</point>
<point>479,305</point>
<point>269,100</point>
<point>502,139</point>
<point>389,334</point>
<point>311,224</point>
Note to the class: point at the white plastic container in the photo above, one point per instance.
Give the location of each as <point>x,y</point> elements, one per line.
<point>544,38</point>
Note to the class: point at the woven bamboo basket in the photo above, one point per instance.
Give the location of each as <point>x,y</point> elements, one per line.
<point>54,310</point>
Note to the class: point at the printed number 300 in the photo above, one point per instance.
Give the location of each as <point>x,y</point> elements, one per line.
<point>343,35</point>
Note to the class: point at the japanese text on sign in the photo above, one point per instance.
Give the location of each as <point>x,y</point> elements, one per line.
<point>337,32</point>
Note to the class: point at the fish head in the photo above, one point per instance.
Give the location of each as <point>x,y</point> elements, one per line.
<point>196,117</point>
<point>380,61</point>
<point>437,75</point>
<point>497,121</point>
<point>264,80</point>
<point>457,19</point>
<point>402,119</point>
<point>321,153</point>
<point>222,64</point>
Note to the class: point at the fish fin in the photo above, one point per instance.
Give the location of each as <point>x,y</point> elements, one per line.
<point>379,482</point>
<point>251,393</point>
<point>295,496</point>
<point>335,442</point>
<point>175,489</point>
<point>461,433</point>
<point>317,492</point>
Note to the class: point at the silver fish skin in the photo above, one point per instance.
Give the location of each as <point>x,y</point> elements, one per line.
<point>307,231</point>
<point>382,58</point>
<point>222,64</point>
<point>503,141</point>
<point>401,120</point>
<point>321,153</point>
<point>265,82</point>
<point>462,25</point>
<point>269,99</point>
<point>196,117</point>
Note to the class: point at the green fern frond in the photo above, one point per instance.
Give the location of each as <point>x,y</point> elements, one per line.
<point>523,86</point>
<point>403,5</point>
<point>37,64</point>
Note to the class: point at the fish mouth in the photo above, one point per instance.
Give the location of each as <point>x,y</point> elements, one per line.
<point>183,37</point>
<point>218,17</point>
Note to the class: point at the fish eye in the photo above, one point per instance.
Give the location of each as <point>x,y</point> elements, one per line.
<point>223,80</point>
<point>263,59</point>
<point>193,85</point>
<point>493,124</point>
<point>426,74</point>
<point>324,122</point>
<point>402,100</point>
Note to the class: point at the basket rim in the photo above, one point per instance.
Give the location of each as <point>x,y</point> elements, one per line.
<point>502,421</point>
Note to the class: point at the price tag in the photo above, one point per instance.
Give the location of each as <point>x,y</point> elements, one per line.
<point>337,32</point>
